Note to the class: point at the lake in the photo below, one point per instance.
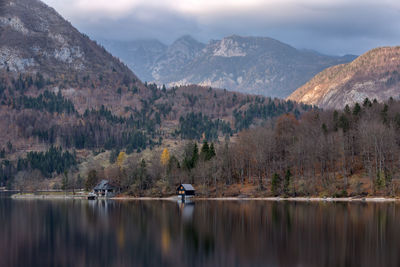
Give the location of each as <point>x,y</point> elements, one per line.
<point>207,233</point>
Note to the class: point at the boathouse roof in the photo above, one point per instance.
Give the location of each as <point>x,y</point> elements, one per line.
<point>187,187</point>
<point>104,185</point>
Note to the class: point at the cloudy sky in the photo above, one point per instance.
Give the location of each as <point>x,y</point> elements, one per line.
<point>329,26</point>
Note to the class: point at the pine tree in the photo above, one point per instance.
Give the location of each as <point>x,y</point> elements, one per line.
<point>114,155</point>
<point>356,109</point>
<point>143,174</point>
<point>191,156</point>
<point>367,103</point>
<point>205,150</point>
<point>286,185</point>
<point>324,129</point>
<point>347,109</point>
<point>344,123</point>
<point>384,113</point>
<point>195,155</point>
<point>9,146</point>
<point>275,184</point>
<point>211,152</point>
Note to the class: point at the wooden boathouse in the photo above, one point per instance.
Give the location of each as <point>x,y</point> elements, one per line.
<point>185,191</point>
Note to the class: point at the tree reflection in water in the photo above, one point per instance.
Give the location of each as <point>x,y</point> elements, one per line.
<point>207,233</point>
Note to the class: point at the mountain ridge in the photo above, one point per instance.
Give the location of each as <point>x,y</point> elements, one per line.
<point>257,65</point>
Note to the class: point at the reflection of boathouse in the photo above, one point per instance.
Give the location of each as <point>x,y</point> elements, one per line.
<point>186,209</point>
<point>185,191</point>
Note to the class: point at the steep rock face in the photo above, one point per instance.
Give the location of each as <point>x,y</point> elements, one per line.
<point>375,75</point>
<point>246,64</point>
<point>35,38</point>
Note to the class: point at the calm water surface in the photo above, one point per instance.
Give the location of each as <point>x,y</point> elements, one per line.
<point>208,233</point>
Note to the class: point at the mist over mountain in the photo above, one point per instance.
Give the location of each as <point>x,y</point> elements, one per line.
<point>257,65</point>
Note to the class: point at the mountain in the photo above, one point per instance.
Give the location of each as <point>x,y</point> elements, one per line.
<point>59,88</point>
<point>34,38</point>
<point>66,103</point>
<point>176,59</point>
<point>246,64</point>
<point>374,75</point>
<point>140,55</point>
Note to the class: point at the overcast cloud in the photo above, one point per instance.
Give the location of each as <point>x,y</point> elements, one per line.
<point>329,26</point>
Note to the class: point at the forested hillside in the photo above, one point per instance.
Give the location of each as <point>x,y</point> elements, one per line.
<point>351,152</point>
<point>36,118</point>
<point>64,99</point>
<point>71,114</point>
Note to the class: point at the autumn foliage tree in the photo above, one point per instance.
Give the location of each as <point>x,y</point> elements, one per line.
<point>121,159</point>
<point>165,157</point>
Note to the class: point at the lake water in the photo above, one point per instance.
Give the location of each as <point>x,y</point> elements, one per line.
<point>207,233</point>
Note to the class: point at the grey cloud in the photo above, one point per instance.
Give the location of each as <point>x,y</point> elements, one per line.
<point>343,28</point>
<point>2,6</point>
<point>159,24</point>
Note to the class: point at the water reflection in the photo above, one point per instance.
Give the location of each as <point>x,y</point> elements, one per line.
<point>207,233</point>
<point>186,211</point>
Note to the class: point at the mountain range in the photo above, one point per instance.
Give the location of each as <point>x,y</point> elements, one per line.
<point>373,75</point>
<point>256,65</point>
<point>69,108</point>
<point>58,87</point>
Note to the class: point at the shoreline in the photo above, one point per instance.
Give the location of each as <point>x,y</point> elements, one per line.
<point>175,198</point>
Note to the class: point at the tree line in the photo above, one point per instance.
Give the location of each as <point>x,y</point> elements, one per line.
<point>48,163</point>
<point>349,152</point>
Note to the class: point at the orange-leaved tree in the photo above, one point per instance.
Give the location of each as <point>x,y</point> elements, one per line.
<point>165,157</point>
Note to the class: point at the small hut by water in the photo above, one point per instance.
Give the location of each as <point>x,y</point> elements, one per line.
<point>185,190</point>
<point>105,189</point>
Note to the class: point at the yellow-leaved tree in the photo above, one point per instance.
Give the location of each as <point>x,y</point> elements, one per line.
<point>121,159</point>
<point>165,157</point>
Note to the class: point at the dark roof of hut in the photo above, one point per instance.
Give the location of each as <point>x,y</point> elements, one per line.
<point>104,185</point>
<point>188,187</point>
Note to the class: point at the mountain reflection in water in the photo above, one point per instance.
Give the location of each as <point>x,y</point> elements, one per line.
<point>206,233</point>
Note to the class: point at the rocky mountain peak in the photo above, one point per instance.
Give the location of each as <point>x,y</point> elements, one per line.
<point>229,47</point>
<point>186,47</point>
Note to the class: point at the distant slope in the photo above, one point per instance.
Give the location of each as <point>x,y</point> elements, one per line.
<point>140,56</point>
<point>375,75</point>
<point>246,64</point>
